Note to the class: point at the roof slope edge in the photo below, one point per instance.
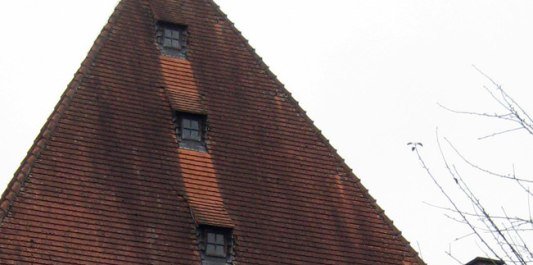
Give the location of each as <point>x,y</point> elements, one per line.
<point>22,174</point>
<point>336,155</point>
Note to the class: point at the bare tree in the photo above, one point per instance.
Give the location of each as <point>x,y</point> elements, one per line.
<point>500,235</point>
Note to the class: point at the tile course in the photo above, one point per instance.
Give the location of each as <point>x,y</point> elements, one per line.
<point>105,182</point>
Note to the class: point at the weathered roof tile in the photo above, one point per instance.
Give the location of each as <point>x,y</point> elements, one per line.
<point>106,182</point>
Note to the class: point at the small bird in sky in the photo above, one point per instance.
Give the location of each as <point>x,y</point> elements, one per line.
<point>414,145</point>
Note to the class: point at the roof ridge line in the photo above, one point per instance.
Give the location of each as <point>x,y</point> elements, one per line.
<point>318,132</point>
<point>23,173</point>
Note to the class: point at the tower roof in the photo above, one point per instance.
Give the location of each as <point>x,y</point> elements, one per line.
<point>485,261</point>
<point>108,180</point>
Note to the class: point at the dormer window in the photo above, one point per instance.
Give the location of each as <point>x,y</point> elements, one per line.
<point>216,245</point>
<point>191,130</point>
<point>172,39</point>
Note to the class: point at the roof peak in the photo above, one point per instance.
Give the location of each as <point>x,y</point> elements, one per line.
<point>107,180</point>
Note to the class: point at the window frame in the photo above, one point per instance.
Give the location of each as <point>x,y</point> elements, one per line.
<point>191,143</point>
<point>182,40</point>
<point>228,243</point>
<point>216,233</point>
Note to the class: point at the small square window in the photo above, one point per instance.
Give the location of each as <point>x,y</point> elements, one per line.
<point>172,39</point>
<point>216,244</point>
<point>191,130</point>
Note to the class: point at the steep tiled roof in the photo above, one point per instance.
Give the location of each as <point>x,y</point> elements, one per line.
<point>106,183</point>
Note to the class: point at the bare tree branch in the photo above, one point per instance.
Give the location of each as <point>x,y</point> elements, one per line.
<point>472,227</point>
<point>502,235</point>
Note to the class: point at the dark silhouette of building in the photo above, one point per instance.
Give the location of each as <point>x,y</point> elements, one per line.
<point>485,261</point>
<point>175,144</point>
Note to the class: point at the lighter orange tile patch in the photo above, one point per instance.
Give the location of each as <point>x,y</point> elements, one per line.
<point>182,90</point>
<point>205,199</point>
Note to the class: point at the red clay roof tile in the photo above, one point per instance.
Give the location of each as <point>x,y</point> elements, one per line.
<point>106,182</point>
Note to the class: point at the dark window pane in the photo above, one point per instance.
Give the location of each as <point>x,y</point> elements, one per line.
<point>211,238</point>
<point>167,42</point>
<point>186,134</point>
<point>219,251</point>
<point>167,33</point>
<point>175,44</point>
<point>195,124</point>
<point>195,135</point>
<point>186,123</point>
<point>220,239</point>
<point>210,250</point>
<point>175,34</point>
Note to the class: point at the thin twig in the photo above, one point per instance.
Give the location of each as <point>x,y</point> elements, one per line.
<point>483,169</point>
<point>473,228</point>
<point>454,258</point>
<point>498,133</point>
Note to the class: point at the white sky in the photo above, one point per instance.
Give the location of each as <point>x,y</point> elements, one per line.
<point>369,73</point>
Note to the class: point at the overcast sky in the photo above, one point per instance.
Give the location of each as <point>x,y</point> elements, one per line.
<point>369,73</point>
